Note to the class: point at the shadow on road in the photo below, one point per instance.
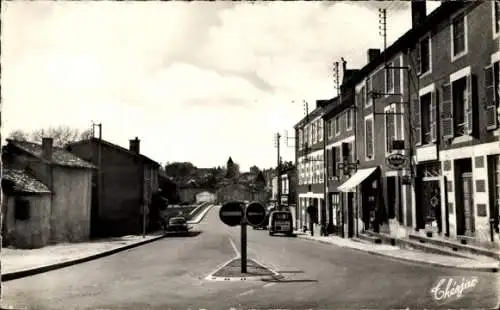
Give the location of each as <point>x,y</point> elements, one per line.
<point>280,280</point>
<point>183,234</point>
<point>291,271</point>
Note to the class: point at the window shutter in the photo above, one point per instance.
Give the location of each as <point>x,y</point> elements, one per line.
<point>446,112</point>
<point>333,153</point>
<point>369,138</point>
<point>329,162</point>
<point>418,121</point>
<point>491,113</point>
<point>469,107</point>
<point>433,117</point>
<point>338,156</point>
<point>417,56</point>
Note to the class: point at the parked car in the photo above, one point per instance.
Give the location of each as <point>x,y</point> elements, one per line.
<point>177,224</point>
<point>280,222</point>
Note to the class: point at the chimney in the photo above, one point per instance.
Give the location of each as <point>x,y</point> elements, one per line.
<point>47,144</point>
<point>135,145</point>
<point>418,12</point>
<point>372,54</point>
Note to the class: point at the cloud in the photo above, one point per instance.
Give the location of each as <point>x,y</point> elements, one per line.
<point>220,75</point>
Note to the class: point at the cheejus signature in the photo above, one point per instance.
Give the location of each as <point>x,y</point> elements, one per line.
<point>453,288</point>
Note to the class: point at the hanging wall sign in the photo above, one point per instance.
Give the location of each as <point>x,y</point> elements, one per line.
<point>396,161</point>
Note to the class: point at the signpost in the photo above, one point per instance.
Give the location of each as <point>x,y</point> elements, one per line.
<point>235,213</point>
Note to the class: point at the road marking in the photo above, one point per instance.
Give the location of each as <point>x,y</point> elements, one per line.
<point>269,284</point>
<point>246,293</point>
<point>234,247</point>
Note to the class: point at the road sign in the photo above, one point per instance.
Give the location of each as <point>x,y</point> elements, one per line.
<point>231,213</point>
<point>255,213</point>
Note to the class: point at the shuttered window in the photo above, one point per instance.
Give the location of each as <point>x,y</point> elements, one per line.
<point>433,117</point>
<point>417,58</point>
<point>333,153</point>
<point>446,112</point>
<point>329,162</point>
<point>469,106</point>
<point>417,123</point>
<point>491,96</point>
<point>369,138</point>
<point>390,123</point>
<point>338,156</point>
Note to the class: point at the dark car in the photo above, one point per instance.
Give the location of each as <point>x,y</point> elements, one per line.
<point>177,224</point>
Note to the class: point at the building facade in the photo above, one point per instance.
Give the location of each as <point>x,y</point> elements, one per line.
<point>122,189</point>
<point>427,134</point>
<point>49,194</point>
<point>309,157</point>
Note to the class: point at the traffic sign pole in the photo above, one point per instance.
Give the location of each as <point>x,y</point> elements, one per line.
<point>243,246</point>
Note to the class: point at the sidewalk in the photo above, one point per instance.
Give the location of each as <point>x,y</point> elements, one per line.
<point>199,213</point>
<point>18,263</point>
<point>479,264</point>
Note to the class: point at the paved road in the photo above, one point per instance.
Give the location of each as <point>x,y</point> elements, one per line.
<point>169,274</point>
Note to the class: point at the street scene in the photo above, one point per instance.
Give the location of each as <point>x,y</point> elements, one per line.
<point>170,274</point>
<point>250,155</point>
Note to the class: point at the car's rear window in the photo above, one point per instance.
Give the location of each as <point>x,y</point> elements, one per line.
<point>178,220</point>
<point>283,216</point>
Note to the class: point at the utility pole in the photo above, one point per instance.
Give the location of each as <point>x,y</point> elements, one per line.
<point>278,168</point>
<point>99,164</point>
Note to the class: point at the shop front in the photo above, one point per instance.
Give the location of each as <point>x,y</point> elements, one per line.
<point>367,206</point>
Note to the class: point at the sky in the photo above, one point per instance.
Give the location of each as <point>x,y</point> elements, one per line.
<point>194,81</point>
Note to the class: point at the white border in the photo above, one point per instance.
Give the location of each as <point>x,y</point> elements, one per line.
<point>427,89</point>
<point>339,142</point>
<point>466,40</point>
<point>428,37</point>
<point>464,72</point>
<point>497,34</point>
<point>495,57</point>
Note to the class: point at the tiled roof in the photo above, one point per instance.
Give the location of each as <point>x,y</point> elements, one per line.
<point>23,182</point>
<point>60,156</point>
<point>117,147</point>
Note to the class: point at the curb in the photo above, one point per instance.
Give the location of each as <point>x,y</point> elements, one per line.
<point>201,216</point>
<point>482,269</point>
<point>34,271</point>
<point>211,277</point>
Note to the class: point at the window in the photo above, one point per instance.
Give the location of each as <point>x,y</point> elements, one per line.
<point>22,209</point>
<point>369,137</point>
<point>460,107</point>
<point>492,77</point>
<point>337,125</point>
<point>309,134</point>
<point>459,39</point>
<point>348,119</point>
<point>428,115</point>
<point>424,55</point>
<point>328,125</point>
<point>301,139</point>
<point>332,127</point>
<point>320,130</point>
<point>390,127</point>
<point>389,79</point>
<point>496,17</point>
<point>313,132</point>
<point>368,92</point>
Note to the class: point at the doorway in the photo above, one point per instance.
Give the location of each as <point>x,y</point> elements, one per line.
<point>350,215</point>
<point>464,198</point>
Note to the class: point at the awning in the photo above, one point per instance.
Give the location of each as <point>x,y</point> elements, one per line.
<point>356,179</point>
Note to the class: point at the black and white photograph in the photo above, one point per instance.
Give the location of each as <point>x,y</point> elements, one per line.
<point>233,155</point>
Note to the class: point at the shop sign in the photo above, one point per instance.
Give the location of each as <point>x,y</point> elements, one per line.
<point>396,161</point>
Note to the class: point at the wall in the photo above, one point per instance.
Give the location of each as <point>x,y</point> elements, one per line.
<point>206,197</point>
<point>234,192</point>
<point>121,176</point>
<point>71,202</point>
<point>32,233</point>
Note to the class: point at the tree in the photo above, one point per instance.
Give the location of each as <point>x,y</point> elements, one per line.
<point>180,171</point>
<point>62,135</point>
<point>254,170</point>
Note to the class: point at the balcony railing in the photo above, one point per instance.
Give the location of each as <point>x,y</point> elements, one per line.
<point>461,129</point>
